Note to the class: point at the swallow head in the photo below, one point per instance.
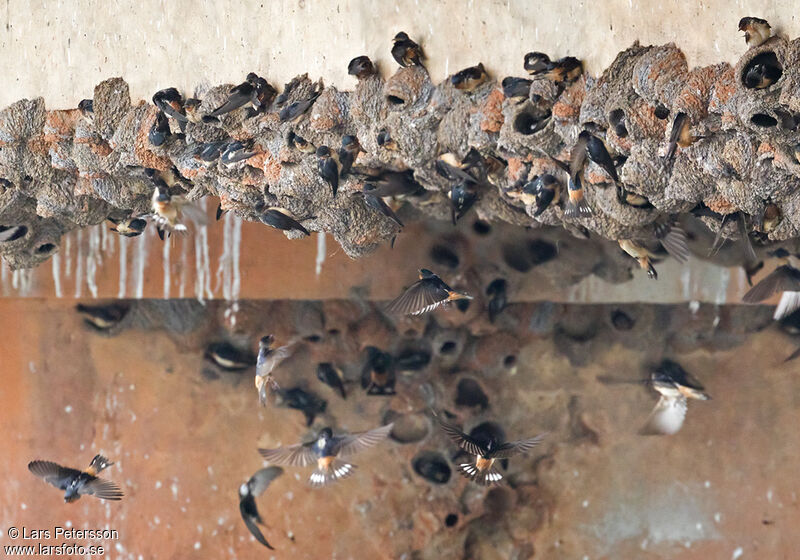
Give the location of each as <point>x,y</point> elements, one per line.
<point>349,141</point>
<point>324,436</point>
<point>252,78</point>
<point>402,36</point>
<point>323,151</point>
<point>161,195</point>
<point>266,341</point>
<point>425,273</point>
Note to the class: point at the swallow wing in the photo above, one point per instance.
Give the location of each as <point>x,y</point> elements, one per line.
<point>258,482</point>
<point>355,443</point>
<point>235,101</point>
<point>577,158</point>
<point>789,303</point>
<point>255,530</point>
<point>101,488</point>
<point>53,473</point>
<point>785,278</point>
<point>749,252</point>
<point>667,417</point>
<point>461,439</point>
<point>512,448</point>
<point>266,364</point>
<point>420,297</point>
<point>674,241</point>
<point>192,212</point>
<point>298,455</point>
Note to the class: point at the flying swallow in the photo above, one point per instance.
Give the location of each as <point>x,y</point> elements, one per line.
<point>469,79</point>
<point>248,492</point>
<point>784,280</point>
<point>756,30</point>
<point>77,483</point>
<point>598,153</point>
<point>361,67</point>
<point>170,101</point>
<point>377,203</point>
<point>348,154</point>
<point>497,291</point>
<point>299,399</point>
<point>516,89</point>
<point>282,219</point>
<point>680,135</point>
<point>293,112</point>
<point>103,317</point>
<point>671,237</point>
<point>385,140</point>
<point>159,131</point>
<point>426,294</point>
<point>228,357</point>
<point>761,75</point>
<point>237,151</point>
<point>268,359</point>
<point>406,52</point>
<point>130,227</point>
<point>254,90</point>
<point>169,209</point>
<point>462,197</point>
<point>576,205</point>
<point>299,143</point>
<point>483,470</point>
<point>641,254</point>
<point>537,63</point>
<point>378,373</point>
<point>328,167</point>
<point>675,385</point>
<point>331,376</point>
<point>327,451</point>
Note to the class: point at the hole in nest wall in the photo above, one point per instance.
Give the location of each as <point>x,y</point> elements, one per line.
<point>469,393</point>
<point>45,249</point>
<point>763,120</point>
<point>20,232</point>
<point>432,466</point>
<point>394,100</point>
<point>762,71</point>
<point>481,228</point>
<point>445,256</point>
<point>528,123</point>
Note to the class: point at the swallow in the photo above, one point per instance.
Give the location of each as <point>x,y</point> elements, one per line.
<point>327,451</point>
<point>406,52</point>
<point>248,492</point>
<point>770,218</point>
<point>268,359</point>
<point>516,89</point>
<point>218,214</point>
<point>300,144</point>
<point>168,209</point>
<point>629,198</point>
<point>307,403</point>
<point>226,356</point>
<point>209,152</point>
<point>672,239</point>
<point>448,166</point>
<point>103,317</point>
<point>784,280</point>
<point>675,386</point>
<point>361,67</point>
<point>331,376</point>
<point>412,359</point>
<point>576,206</point>
<point>462,197</point>
<point>377,203</point>
<point>378,373</point>
<point>295,111</point>
<point>393,183</point>
<point>385,140</point>
<point>469,79</point>
<point>497,291</point>
<point>541,192</point>
<point>537,63</point>
<point>77,483</point>
<point>761,75</point>
<point>617,121</point>
<point>12,233</point>
<point>237,151</point>
<point>641,254</point>
<point>483,470</point>
<point>130,227</point>
<point>756,30</point>
<point>328,167</point>
<point>680,135</point>
<point>170,102</point>
<point>282,219</point>
<point>426,294</point>
<point>597,152</point>
<point>565,70</point>
<point>348,154</point>
<point>86,107</point>
<point>159,131</point>
<point>254,90</point>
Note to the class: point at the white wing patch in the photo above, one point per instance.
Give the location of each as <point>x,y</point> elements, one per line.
<point>790,302</point>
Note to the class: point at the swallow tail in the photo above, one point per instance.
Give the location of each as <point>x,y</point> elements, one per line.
<point>486,477</point>
<point>337,470</point>
<point>98,464</point>
<point>577,208</point>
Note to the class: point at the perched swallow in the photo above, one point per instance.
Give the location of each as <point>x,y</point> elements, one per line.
<point>103,317</point>
<point>784,280</point>
<point>770,218</point>
<point>299,143</point>
<point>681,135</point>
<point>761,75</point>
<point>86,107</point>
<point>254,90</point>
<point>296,110</point>
<point>448,166</point>
<point>192,109</point>
<point>377,203</point>
<point>76,483</point>
<point>361,67</point>
<point>629,198</point>
<point>208,153</point>
<point>462,197</point>
<point>237,151</point>
<point>159,132</point>
<point>348,154</point>
<point>393,183</point>
<point>483,471</point>
<point>12,233</point>
<point>564,70</point>
<point>756,30</point>
<point>541,192</point>
<point>280,218</point>
<point>597,152</point>
<point>130,227</point>
<point>170,102</point>
<point>675,385</point>
<point>497,291</point>
<point>378,373</point>
<point>331,376</point>
<point>385,140</point>
<point>516,89</point>
<point>268,359</point>
<point>406,52</point>
<point>329,167</point>
<point>426,294</point>
<point>248,492</point>
<point>537,63</point>
<point>226,356</point>
<point>326,451</point>
<point>469,79</point>
<point>299,399</point>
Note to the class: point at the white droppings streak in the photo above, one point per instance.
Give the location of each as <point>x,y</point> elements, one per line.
<point>321,253</point>
<point>737,553</point>
<point>202,281</point>
<point>68,256</point>
<point>79,264</point>
<point>93,259</point>
<point>57,275</point>
<point>166,265</point>
<point>184,268</point>
<point>141,262</point>
<point>123,266</point>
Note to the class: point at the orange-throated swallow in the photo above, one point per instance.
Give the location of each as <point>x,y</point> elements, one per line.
<point>282,219</point>
<point>378,373</point>
<point>226,356</point>
<point>170,101</point>
<point>672,239</point>
<point>295,111</point>
<point>328,167</point>
<point>348,154</point>
<point>248,492</point>
<point>361,67</point>
<point>377,203</point>
<point>129,227</point>
<point>469,79</point>
<point>544,189</point>
<point>299,399</point>
<point>168,209</point>
<point>497,290</point>
<point>784,280</point>
<point>268,359</point>
<point>629,198</point>
<point>483,470</point>
<point>385,140</point>
<point>761,75</point>
<point>406,52</point>
<point>331,376</point>
<point>103,317</point>
<point>254,90</point>
<point>675,386</point>
<point>426,294</point>
<point>77,483</point>
<point>516,89</point>
<point>326,451</point>
<point>565,70</point>
<point>680,135</point>
<point>576,205</point>
<point>537,63</point>
<point>300,144</point>
<point>756,30</point>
